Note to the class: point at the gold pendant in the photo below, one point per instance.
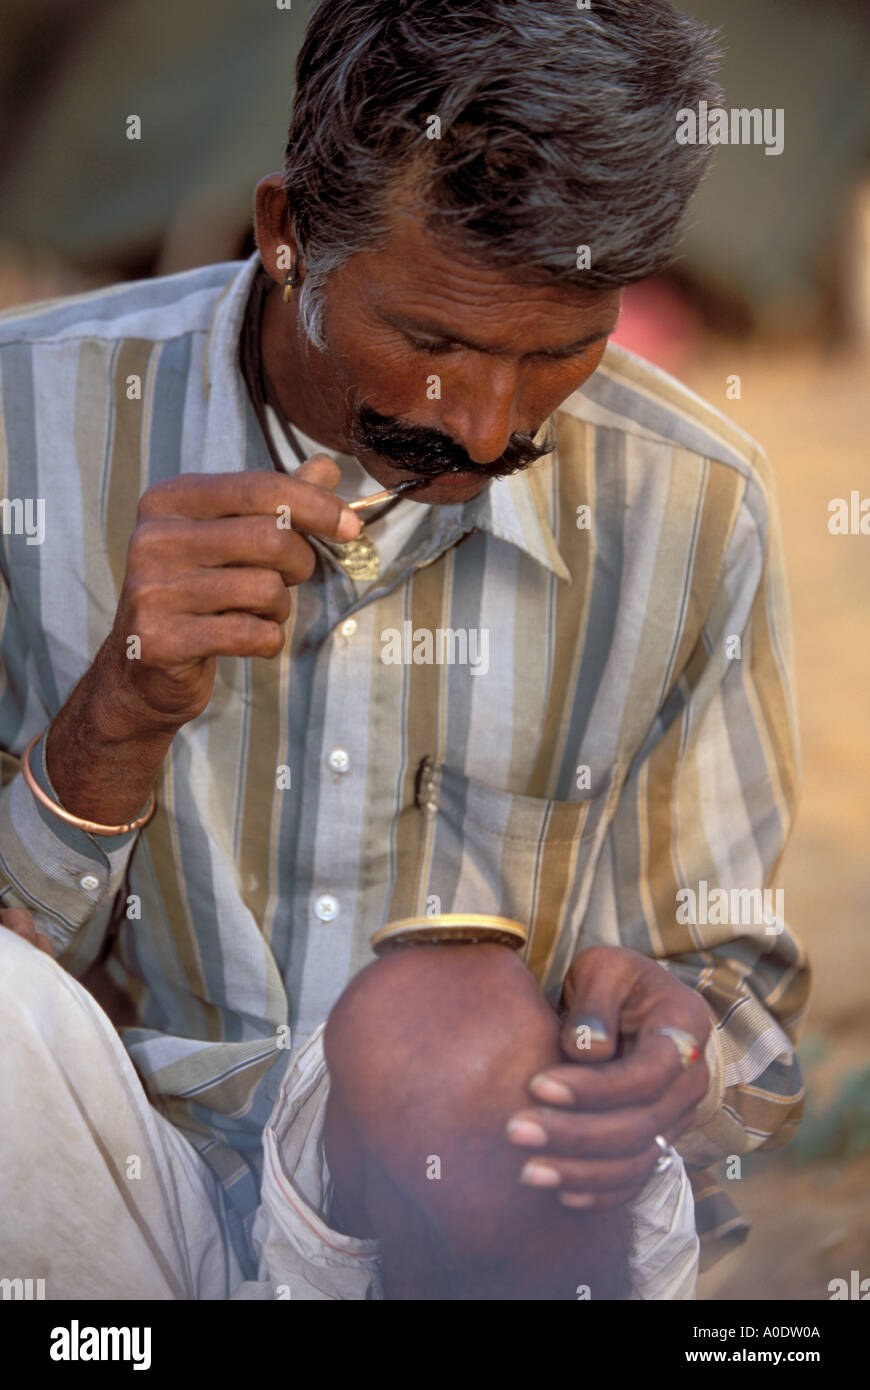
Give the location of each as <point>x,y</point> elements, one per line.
<point>358,557</point>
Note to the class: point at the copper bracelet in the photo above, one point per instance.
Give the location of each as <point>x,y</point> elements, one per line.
<point>90,827</point>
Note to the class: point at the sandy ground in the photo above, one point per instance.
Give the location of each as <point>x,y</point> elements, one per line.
<point>811,412</point>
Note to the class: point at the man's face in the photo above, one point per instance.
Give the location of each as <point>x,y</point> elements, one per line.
<point>448,368</point>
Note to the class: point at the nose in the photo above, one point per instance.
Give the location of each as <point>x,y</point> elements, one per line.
<point>479,408</point>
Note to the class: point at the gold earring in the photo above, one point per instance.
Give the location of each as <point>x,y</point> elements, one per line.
<point>291,280</point>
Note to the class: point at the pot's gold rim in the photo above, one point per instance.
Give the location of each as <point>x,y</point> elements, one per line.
<point>453,922</point>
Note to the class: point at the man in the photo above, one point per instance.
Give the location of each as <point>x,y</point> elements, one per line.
<point>465,192</point>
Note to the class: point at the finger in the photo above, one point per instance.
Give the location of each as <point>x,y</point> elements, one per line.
<point>597,1134</point>
<point>320,470</point>
<point>248,588</point>
<point>685,1120</point>
<point>640,1078</point>
<point>19,920</point>
<point>189,639</point>
<point>26,933</point>
<point>176,546</point>
<point>601,1201</point>
<point>307,494</point>
<point>590,1035</point>
<point>589,1175</point>
<point>204,496</point>
<point>597,986</point>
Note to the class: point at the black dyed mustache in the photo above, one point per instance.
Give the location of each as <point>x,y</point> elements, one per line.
<point>429,453</point>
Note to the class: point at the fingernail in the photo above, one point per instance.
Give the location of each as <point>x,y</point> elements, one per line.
<point>349,526</point>
<point>540,1175</point>
<point>552,1091</point>
<point>576,1199</point>
<point>527,1133</point>
<point>596,1030</point>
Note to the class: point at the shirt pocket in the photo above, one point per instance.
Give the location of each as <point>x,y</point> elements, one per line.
<point>466,847</point>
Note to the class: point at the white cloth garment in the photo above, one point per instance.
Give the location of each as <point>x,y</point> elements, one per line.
<point>100,1196</point>
<point>103,1198</point>
<point>301,1257</point>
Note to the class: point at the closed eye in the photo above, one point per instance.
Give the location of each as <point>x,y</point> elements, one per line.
<point>426,345</point>
<point>563,356</point>
<point>434,347</point>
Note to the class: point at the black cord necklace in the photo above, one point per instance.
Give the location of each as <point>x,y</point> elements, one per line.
<point>359,558</point>
<point>260,387</point>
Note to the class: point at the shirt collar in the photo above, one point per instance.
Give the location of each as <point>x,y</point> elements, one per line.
<point>515,509</point>
<point>223,383</point>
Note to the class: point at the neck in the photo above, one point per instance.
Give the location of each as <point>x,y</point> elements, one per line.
<point>301,377</point>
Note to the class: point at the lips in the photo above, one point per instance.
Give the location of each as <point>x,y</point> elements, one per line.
<point>445,486</point>
<point>448,487</point>
<point>459,479</point>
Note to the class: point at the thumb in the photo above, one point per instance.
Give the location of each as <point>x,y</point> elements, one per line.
<point>320,470</point>
<point>590,1031</point>
<point>593,997</point>
<point>596,989</point>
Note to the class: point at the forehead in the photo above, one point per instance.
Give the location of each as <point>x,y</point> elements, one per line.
<point>420,273</point>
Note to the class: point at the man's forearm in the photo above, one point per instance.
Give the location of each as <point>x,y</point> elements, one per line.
<point>101,754</point>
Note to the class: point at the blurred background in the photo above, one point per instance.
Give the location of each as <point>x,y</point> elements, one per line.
<point>772,288</point>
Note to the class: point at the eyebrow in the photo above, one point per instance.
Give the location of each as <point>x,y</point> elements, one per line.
<point>435,330</point>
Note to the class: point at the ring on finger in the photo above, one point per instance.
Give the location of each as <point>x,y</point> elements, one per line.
<point>666,1154</point>
<point>686,1045</point>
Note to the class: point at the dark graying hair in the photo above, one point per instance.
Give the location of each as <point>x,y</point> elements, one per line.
<point>557,130</point>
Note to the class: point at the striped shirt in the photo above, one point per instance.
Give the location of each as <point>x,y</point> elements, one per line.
<point>566,701</point>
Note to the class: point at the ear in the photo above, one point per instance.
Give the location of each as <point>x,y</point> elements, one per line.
<point>273,228</point>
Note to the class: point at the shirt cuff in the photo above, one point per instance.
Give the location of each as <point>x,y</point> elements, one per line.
<point>696,1146</point>
<point>715,1059</point>
<point>61,874</point>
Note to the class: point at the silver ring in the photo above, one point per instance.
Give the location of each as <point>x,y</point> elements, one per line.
<point>666,1157</point>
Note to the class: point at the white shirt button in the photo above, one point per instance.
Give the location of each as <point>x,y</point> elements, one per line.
<point>338,760</point>
<point>89,881</point>
<point>348,627</point>
<point>326,907</point>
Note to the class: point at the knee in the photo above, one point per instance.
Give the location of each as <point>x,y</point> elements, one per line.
<point>430,1052</point>
<point>464,1023</point>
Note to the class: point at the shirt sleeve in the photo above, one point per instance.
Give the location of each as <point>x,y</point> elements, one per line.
<point>58,872</point>
<point>708,805</point>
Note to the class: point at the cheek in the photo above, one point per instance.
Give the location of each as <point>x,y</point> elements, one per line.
<point>553,385</point>
<point>382,373</point>
<point>593,357</point>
